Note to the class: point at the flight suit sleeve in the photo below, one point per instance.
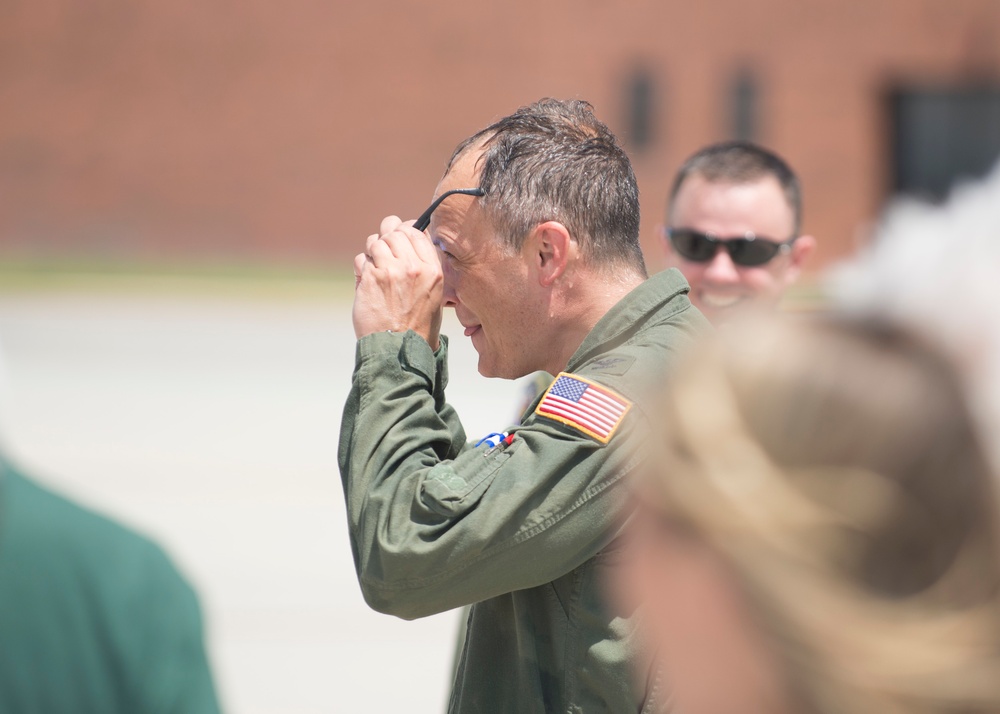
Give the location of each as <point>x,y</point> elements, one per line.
<point>436,523</point>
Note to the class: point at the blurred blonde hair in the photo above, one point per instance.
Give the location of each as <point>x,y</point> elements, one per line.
<point>933,268</point>
<point>834,468</point>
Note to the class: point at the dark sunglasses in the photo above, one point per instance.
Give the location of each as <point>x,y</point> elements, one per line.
<point>425,218</point>
<point>747,251</point>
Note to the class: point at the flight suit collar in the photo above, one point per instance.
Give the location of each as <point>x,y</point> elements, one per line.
<point>655,294</point>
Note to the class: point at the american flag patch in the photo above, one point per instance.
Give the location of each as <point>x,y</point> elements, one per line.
<point>584,405</point>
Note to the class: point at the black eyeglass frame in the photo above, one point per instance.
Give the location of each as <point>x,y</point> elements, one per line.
<point>425,218</point>
<point>732,245</point>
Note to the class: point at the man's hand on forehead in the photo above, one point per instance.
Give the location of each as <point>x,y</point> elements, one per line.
<point>398,283</point>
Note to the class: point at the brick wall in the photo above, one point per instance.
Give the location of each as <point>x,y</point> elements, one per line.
<point>284,131</point>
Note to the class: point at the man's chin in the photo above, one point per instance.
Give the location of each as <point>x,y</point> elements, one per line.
<point>492,370</point>
<point>720,312</point>
<point>721,302</point>
<point>720,308</point>
<point>485,366</point>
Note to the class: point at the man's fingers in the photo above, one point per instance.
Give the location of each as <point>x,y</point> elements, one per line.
<point>400,241</point>
<point>359,265</point>
<point>389,224</point>
<point>419,246</point>
<point>402,245</point>
<point>392,244</point>
<point>370,241</point>
<point>380,253</point>
<point>423,247</point>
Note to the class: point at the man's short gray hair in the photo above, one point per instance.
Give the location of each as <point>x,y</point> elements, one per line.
<point>555,161</point>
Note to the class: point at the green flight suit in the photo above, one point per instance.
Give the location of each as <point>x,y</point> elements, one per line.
<point>94,619</point>
<point>524,530</point>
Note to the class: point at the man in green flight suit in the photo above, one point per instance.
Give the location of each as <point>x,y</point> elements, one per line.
<point>540,260</point>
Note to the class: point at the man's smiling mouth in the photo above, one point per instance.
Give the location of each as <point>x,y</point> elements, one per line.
<point>720,301</point>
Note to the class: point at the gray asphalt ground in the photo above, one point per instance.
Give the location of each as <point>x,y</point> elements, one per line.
<point>211,423</point>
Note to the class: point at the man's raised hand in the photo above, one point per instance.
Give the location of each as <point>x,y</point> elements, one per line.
<point>398,283</point>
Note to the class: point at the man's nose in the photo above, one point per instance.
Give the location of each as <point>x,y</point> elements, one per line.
<point>448,295</point>
<point>721,268</point>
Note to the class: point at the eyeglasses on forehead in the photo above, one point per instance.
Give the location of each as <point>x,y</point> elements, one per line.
<point>425,218</point>
<point>748,250</point>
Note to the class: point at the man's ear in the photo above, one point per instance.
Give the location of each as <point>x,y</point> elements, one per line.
<point>802,248</point>
<point>552,250</point>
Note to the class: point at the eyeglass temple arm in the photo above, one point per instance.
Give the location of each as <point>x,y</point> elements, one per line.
<point>425,218</point>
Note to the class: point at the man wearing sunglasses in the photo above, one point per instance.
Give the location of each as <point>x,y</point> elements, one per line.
<point>733,228</point>
<point>533,240</point>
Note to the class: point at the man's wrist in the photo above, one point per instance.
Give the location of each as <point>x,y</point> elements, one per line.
<point>408,350</point>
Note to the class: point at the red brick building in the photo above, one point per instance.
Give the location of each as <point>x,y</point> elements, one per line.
<point>284,131</point>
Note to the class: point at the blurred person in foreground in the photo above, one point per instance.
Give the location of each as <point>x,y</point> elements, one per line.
<point>734,219</point>
<point>936,270</point>
<point>545,272</point>
<point>94,618</point>
<point>819,532</point>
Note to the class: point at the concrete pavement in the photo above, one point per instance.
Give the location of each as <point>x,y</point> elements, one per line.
<point>211,423</point>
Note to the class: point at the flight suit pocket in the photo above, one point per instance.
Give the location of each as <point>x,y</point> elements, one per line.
<point>453,487</point>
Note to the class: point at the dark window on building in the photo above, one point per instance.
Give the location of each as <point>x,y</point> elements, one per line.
<point>942,135</point>
<point>640,112</point>
<point>743,106</point>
